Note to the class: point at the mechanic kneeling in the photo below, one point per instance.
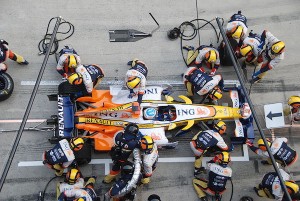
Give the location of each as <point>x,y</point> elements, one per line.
<point>125,142</point>
<point>204,140</point>
<point>62,155</point>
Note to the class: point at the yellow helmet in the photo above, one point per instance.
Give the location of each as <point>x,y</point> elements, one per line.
<point>220,127</point>
<point>72,176</point>
<point>75,78</point>
<point>291,186</point>
<point>147,143</point>
<point>79,199</point>
<point>133,82</point>
<point>76,143</point>
<point>71,61</point>
<point>223,157</point>
<point>237,32</point>
<point>293,100</point>
<point>246,50</point>
<point>211,56</point>
<point>261,144</point>
<point>215,93</point>
<point>278,47</point>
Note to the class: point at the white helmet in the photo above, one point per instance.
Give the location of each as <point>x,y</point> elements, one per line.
<point>245,111</point>
<point>150,113</point>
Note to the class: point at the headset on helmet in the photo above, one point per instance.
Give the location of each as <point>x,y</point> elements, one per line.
<point>132,128</point>
<point>71,61</point>
<point>261,144</point>
<point>75,78</point>
<point>246,50</point>
<point>211,56</point>
<point>215,93</point>
<point>76,143</point>
<point>293,100</point>
<point>291,186</point>
<point>147,143</point>
<point>150,113</point>
<point>128,168</point>
<point>237,32</point>
<point>245,111</point>
<point>223,157</point>
<point>72,176</point>
<point>133,82</point>
<point>278,47</point>
<point>220,127</point>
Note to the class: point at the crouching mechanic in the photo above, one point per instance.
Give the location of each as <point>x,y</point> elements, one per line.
<point>294,103</point>
<point>270,187</point>
<point>270,56</point>
<point>204,140</point>
<point>125,142</point>
<point>149,158</point>
<point>237,27</point>
<point>5,53</point>
<point>218,174</point>
<point>125,187</point>
<point>136,79</point>
<point>198,82</point>
<point>205,54</point>
<point>283,154</point>
<point>67,62</point>
<point>86,77</point>
<point>62,155</point>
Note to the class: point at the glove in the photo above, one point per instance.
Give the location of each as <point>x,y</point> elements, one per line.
<point>213,72</point>
<point>131,95</point>
<point>65,75</point>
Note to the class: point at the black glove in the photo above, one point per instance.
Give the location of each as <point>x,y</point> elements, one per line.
<point>115,153</point>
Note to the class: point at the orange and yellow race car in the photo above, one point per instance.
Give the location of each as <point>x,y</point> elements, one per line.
<point>104,113</point>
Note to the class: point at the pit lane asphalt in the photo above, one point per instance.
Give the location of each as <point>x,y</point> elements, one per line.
<point>25,24</point>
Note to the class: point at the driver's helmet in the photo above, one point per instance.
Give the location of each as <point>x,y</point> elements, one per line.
<point>72,176</point>
<point>71,61</point>
<point>237,32</point>
<point>133,82</point>
<point>150,113</point>
<point>75,79</point>
<point>211,56</point>
<point>246,50</point>
<point>215,93</point>
<point>245,111</point>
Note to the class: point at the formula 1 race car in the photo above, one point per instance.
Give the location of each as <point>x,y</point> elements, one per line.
<point>101,115</point>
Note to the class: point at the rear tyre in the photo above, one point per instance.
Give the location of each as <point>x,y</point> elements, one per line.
<point>84,156</point>
<point>6,86</point>
<point>224,52</point>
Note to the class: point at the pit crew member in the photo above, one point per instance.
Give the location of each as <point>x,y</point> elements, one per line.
<point>62,155</point>
<point>219,173</point>
<point>73,180</point>
<point>67,62</point>
<point>5,53</point>
<point>294,103</point>
<point>237,27</point>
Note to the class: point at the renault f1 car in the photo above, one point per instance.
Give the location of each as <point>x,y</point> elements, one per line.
<point>101,115</point>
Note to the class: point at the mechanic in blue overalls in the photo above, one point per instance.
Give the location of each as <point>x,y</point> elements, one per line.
<point>5,53</point>
<point>219,173</point>
<point>86,78</point>
<point>67,62</point>
<point>62,155</point>
<point>201,83</point>
<point>209,139</point>
<point>125,142</point>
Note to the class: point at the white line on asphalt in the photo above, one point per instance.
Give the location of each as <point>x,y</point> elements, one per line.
<point>107,162</point>
<point>20,120</point>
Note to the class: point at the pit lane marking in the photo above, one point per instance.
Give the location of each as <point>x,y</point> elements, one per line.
<point>107,162</point>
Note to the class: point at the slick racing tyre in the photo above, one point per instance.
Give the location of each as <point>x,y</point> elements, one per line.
<point>224,52</point>
<point>84,155</point>
<point>6,86</point>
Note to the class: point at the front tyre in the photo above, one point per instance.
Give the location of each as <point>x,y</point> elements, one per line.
<point>6,86</point>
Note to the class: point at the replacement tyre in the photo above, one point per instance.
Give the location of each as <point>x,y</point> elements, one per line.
<point>6,86</point>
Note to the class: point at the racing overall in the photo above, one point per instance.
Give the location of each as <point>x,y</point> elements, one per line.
<point>62,66</point>
<point>91,75</point>
<point>201,83</point>
<point>88,194</point>
<point>254,40</point>
<point>198,57</point>
<point>59,157</point>
<point>201,142</point>
<point>125,143</point>
<point>64,187</point>
<point>5,53</point>
<point>217,179</point>
<point>270,186</point>
<point>237,20</point>
<point>282,153</point>
<point>125,187</point>
<point>149,160</point>
<point>139,70</point>
<point>268,60</point>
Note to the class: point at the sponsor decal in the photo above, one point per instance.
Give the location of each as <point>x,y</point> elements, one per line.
<point>103,122</point>
<point>151,91</point>
<point>156,136</point>
<point>184,112</point>
<point>61,125</point>
<point>202,111</point>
